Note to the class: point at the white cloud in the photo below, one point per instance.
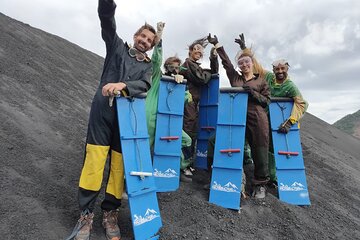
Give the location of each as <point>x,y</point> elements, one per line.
<point>296,66</point>
<point>357,31</point>
<point>320,39</point>
<point>331,106</point>
<point>311,74</point>
<point>323,38</point>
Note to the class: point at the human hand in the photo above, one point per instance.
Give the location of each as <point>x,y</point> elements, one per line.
<point>159,30</point>
<point>241,41</point>
<point>178,78</point>
<point>212,40</point>
<point>248,89</point>
<point>285,126</point>
<point>160,26</point>
<point>112,89</point>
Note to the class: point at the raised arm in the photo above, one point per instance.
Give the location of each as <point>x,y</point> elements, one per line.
<point>106,11</point>
<point>257,68</point>
<point>214,63</point>
<point>228,66</point>
<point>157,54</point>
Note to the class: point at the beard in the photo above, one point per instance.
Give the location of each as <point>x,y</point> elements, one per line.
<point>141,46</point>
<point>281,76</point>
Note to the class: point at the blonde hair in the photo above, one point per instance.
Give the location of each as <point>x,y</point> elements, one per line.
<point>257,68</point>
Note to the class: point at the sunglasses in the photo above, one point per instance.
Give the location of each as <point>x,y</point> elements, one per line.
<point>140,57</point>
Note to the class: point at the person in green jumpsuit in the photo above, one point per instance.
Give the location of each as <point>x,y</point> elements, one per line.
<point>282,86</point>
<point>151,102</point>
<point>172,68</point>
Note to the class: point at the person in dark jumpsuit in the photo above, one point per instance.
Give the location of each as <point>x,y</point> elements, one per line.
<point>257,124</point>
<point>196,77</point>
<point>126,69</point>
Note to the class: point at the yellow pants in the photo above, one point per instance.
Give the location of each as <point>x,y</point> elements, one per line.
<point>92,176</point>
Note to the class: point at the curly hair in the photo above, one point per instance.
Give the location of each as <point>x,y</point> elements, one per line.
<point>202,41</point>
<point>170,60</point>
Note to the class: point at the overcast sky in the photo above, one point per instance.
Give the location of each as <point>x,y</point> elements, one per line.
<point>320,39</point>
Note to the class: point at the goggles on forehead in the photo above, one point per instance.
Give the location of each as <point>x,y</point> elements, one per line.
<point>244,60</point>
<point>280,62</point>
<point>140,57</point>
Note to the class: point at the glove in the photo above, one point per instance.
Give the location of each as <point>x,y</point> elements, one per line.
<point>248,89</point>
<point>178,78</point>
<point>159,30</point>
<point>160,26</point>
<point>213,53</point>
<point>285,126</point>
<point>212,40</point>
<point>240,41</point>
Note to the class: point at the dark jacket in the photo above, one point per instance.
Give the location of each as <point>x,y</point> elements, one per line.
<point>197,76</point>
<point>119,66</point>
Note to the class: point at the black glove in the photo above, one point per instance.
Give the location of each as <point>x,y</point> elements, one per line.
<point>212,40</point>
<point>285,126</point>
<point>240,41</point>
<point>248,89</point>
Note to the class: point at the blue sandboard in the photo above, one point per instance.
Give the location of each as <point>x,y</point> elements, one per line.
<point>168,135</point>
<point>207,119</point>
<point>290,169</point>
<point>166,172</point>
<point>226,180</point>
<point>201,154</point>
<point>225,188</point>
<point>144,208</point>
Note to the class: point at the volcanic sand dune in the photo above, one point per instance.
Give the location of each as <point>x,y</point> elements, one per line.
<point>47,84</point>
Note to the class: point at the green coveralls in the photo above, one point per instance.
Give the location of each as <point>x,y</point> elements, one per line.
<point>152,104</point>
<point>286,89</point>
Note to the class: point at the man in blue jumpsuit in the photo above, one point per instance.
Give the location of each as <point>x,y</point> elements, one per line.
<point>127,69</point>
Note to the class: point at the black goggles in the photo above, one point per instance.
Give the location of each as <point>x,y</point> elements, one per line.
<point>172,68</point>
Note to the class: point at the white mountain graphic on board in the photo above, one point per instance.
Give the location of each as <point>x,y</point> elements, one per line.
<point>150,214</point>
<point>229,187</point>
